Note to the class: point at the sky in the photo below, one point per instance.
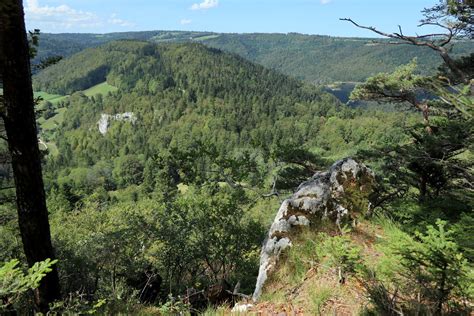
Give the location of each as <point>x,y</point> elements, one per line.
<point>229,16</point>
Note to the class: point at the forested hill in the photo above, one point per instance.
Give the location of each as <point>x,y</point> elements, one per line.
<point>148,68</point>
<point>186,97</point>
<point>324,59</point>
<point>179,93</point>
<point>302,56</point>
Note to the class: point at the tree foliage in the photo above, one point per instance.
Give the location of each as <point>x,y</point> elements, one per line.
<point>15,282</point>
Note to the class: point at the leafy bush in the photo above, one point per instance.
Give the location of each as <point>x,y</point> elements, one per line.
<point>14,282</point>
<point>174,306</point>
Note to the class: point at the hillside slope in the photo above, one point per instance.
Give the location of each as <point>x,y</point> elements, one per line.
<point>308,279</point>
<point>183,92</point>
<point>324,59</point>
<point>174,120</point>
<point>179,93</point>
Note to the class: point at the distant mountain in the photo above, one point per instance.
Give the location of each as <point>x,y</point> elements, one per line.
<point>67,44</point>
<point>313,58</point>
<point>324,59</point>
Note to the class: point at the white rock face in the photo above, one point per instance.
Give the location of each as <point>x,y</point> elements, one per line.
<point>337,194</point>
<point>241,308</point>
<point>103,123</point>
<point>106,118</point>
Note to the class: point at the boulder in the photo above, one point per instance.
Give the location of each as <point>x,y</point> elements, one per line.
<point>340,195</point>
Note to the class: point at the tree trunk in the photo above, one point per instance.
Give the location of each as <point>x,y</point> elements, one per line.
<point>20,126</point>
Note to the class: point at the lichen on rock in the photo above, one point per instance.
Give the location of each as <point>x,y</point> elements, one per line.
<point>340,194</point>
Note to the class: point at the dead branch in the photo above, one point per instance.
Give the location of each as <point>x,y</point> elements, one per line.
<point>435,44</point>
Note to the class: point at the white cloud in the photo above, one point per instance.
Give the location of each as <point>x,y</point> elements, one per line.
<point>59,17</point>
<point>205,4</point>
<point>325,1</point>
<point>185,21</point>
<point>116,21</point>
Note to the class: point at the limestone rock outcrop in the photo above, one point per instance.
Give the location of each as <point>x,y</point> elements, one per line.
<point>122,117</point>
<point>340,195</point>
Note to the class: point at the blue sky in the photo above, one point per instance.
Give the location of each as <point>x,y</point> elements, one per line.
<point>236,16</point>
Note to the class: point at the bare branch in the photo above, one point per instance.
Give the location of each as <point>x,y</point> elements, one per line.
<point>434,24</point>
<point>422,40</point>
<point>432,35</point>
<point>370,28</point>
<point>400,29</point>
<point>414,40</point>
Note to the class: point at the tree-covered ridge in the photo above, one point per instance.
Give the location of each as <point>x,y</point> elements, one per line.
<point>302,56</point>
<point>130,64</point>
<point>307,57</point>
<point>183,93</point>
<point>67,44</point>
<point>216,140</point>
<point>184,89</point>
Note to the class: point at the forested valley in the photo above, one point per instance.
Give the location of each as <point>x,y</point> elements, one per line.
<point>166,155</point>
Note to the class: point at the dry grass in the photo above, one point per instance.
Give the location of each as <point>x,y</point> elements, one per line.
<point>307,287</point>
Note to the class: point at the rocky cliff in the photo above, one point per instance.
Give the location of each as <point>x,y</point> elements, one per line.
<point>122,117</point>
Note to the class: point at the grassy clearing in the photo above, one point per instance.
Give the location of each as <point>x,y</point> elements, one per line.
<point>53,98</point>
<point>102,88</point>
<point>54,121</point>
<point>207,37</point>
<point>49,125</point>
